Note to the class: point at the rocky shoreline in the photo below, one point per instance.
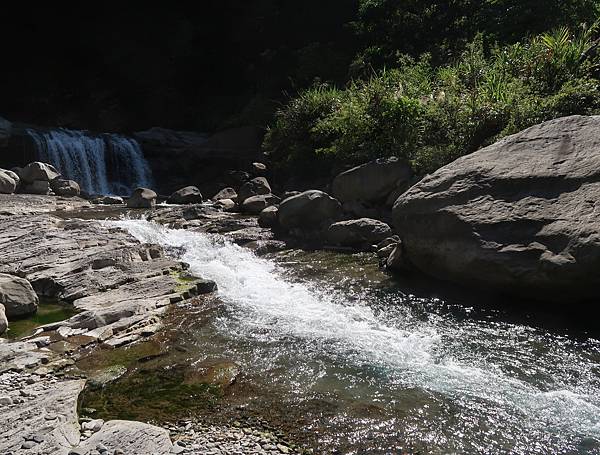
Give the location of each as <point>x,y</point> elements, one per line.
<point>121,288</point>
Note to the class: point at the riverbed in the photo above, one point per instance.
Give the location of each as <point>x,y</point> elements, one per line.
<point>345,359</point>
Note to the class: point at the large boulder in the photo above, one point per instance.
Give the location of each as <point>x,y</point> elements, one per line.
<point>39,171</point>
<point>142,198</point>
<point>311,210</point>
<point>8,185</point>
<point>17,296</point>
<point>65,188</point>
<point>372,182</point>
<point>363,231</point>
<point>254,187</point>
<point>519,216</point>
<point>187,195</point>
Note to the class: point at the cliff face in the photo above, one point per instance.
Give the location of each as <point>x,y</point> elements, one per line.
<point>133,68</point>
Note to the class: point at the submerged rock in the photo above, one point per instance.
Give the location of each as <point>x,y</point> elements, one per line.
<point>142,198</point>
<point>17,296</point>
<point>519,216</point>
<point>187,195</point>
<point>363,231</point>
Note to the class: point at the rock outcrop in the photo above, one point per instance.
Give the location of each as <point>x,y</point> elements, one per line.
<point>355,233</point>
<point>520,216</point>
<point>371,183</point>
<point>187,195</point>
<point>17,296</point>
<point>142,198</point>
<point>311,210</point>
<point>133,438</point>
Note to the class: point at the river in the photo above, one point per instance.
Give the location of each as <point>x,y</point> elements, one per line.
<point>337,346</point>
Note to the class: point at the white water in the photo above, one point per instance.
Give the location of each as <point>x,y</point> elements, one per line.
<point>266,306</point>
<point>106,164</point>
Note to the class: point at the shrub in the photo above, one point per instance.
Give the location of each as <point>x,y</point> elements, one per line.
<point>432,115</point>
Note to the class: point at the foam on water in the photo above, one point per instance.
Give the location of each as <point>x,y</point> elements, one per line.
<point>265,305</point>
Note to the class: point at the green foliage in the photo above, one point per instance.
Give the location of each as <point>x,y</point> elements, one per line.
<point>432,114</point>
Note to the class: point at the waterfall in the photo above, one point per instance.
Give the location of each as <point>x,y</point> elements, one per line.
<point>102,164</point>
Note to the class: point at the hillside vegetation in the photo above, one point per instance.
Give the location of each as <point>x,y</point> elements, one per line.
<point>431,83</point>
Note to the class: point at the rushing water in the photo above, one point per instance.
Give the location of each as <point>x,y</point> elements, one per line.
<point>104,164</point>
<point>399,372</point>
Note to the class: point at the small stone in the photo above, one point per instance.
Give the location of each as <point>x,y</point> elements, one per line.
<point>6,401</point>
<point>78,451</point>
<point>28,445</point>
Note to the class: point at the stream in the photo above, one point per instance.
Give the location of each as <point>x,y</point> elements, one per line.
<point>336,348</point>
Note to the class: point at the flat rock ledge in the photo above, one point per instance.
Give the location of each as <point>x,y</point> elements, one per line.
<point>120,287</point>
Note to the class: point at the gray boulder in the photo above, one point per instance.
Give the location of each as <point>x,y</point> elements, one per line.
<point>363,231</point>
<point>65,188</point>
<point>254,187</point>
<point>371,182</point>
<point>187,195</point>
<point>3,320</point>
<point>310,210</point>
<point>268,217</point>
<point>17,296</point>
<point>39,171</point>
<point>519,216</point>
<point>225,193</point>
<point>142,198</point>
<point>256,204</point>
<point>8,185</point>
<point>36,187</point>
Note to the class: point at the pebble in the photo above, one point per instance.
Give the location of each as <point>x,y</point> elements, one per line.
<point>28,445</point>
<point>6,401</point>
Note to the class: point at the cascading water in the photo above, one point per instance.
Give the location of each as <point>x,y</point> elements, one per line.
<point>449,385</point>
<point>103,164</point>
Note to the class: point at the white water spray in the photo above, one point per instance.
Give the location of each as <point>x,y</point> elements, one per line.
<point>265,305</point>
